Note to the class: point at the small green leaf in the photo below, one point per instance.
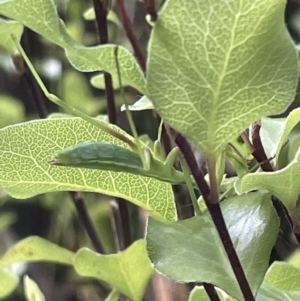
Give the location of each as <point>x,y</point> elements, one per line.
<point>284,183</point>
<point>8,283</point>
<point>271,131</point>
<point>191,250</point>
<point>291,121</point>
<point>35,248</point>
<point>284,276</point>
<point>128,271</point>
<point>89,59</point>
<point>25,150</point>
<point>7,28</point>
<point>199,294</point>
<point>143,103</point>
<point>32,291</point>
<point>42,18</point>
<point>222,65</point>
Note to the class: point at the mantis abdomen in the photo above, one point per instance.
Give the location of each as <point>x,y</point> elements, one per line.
<point>98,155</point>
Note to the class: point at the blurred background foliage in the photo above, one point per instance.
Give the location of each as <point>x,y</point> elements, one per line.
<point>53,216</point>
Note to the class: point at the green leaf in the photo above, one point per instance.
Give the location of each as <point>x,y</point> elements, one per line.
<point>32,291</point>
<point>128,271</point>
<point>42,18</point>
<point>191,250</point>
<point>284,183</point>
<point>35,248</point>
<point>284,276</point>
<point>143,103</point>
<point>222,65</point>
<point>88,59</point>
<point>25,150</point>
<point>8,283</point>
<point>199,294</point>
<point>7,28</point>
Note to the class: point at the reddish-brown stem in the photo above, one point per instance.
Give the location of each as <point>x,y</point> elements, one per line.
<point>261,157</point>
<point>213,206</point>
<point>86,221</point>
<point>129,32</point>
<point>259,152</point>
<point>101,9</point>
<point>211,292</point>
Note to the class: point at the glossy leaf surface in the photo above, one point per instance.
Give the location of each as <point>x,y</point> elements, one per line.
<point>191,250</point>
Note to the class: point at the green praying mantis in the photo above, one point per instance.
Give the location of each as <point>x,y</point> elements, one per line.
<point>138,160</point>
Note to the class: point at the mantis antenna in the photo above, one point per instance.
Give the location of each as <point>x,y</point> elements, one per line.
<point>68,108</point>
<point>143,155</point>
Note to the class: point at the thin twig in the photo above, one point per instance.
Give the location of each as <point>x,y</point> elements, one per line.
<point>213,206</point>
<point>129,32</point>
<point>101,8</point>
<point>259,152</point>
<point>86,221</point>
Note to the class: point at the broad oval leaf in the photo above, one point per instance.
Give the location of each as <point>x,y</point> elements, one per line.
<point>25,150</point>
<point>128,271</point>
<point>191,250</point>
<point>222,65</point>
<point>35,248</point>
